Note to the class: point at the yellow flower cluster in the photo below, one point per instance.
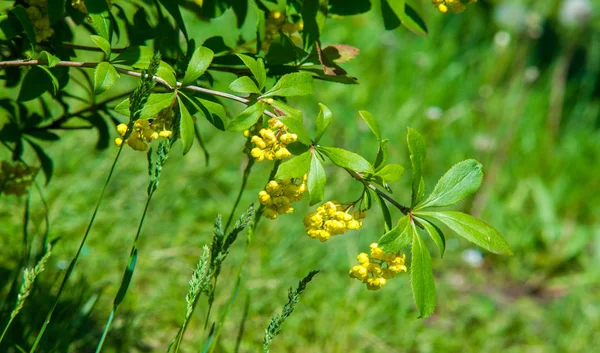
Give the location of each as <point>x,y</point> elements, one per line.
<point>38,14</point>
<point>456,6</point>
<point>375,270</point>
<point>278,196</point>
<point>331,219</point>
<point>278,22</point>
<point>15,179</point>
<point>144,132</point>
<point>272,143</point>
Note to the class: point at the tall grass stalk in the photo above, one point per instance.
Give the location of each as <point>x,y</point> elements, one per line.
<point>245,177</point>
<point>29,277</point>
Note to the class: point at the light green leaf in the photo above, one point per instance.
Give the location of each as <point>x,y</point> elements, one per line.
<point>105,76</point>
<point>137,56</point>
<point>293,119</point>
<point>23,17</point>
<point>413,21</point>
<point>372,122</point>
<point>186,127</point>
<point>294,84</point>
<point>382,154</point>
<point>323,121</point>
<point>213,112</point>
<point>391,172</point>
<point>48,59</point>
<point>347,159</point>
<point>472,229</point>
<point>417,151</point>
<point>257,67</point>
<point>460,181</point>
<point>435,233</point>
<point>36,82</point>
<point>102,44</point>
<point>316,180</point>
<point>99,14</point>
<point>247,118</point>
<point>244,84</point>
<point>398,237</point>
<point>167,73</point>
<point>294,167</point>
<point>385,211</point>
<point>421,275</point>
<point>199,62</point>
<point>156,102</point>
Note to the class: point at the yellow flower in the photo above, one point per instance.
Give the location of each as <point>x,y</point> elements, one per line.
<point>378,267</point>
<point>279,195</point>
<point>330,219</point>
<point>457,6</point>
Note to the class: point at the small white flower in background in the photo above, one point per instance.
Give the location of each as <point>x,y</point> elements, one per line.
<point>502,39</point>
<point>532,73</point>
<point>484,143</point>
<point>472,257</point>
<point>511,16</point>
<point>535,27</point>
<point>575,13</point>
<point>434,113</point>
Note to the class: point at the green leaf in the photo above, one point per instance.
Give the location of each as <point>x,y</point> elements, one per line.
<point>99,14</point>
<point>186,127</point>
<point>244,84</point>
<point>173,9</point>
<point>213,112</point>
<point>10,27</point>
<point>199,62</point>
<point>105,76</point>
<point>346,8</point>
<point>316,180</point>
<point>472,229</point>
<point>294,84</point>
<point>56,10</point>
<point>421,276</point>
<point>45,160</point>
<point>460,181</point>
<point>102,44</point>
<point>385,211</point>
<point>247,118</point>
<point>36,82</point>
<point>23,17</point>
<point>323,121</point>
<point>398,237</point>
<point>257,67</point>
<point>413,21</point>
<point>347,159</point>
<point>294,167</point>
<point>396,12</point>
<point>167,73</point>
<point>372,122</point>
<point>417,151</point>
<point>391,172</point>
<point>47,59</point>
<point>435,233</point>
<point>137,56</point>
<point>293,119</point>
<point>156,102</point>
<point>382,154</point>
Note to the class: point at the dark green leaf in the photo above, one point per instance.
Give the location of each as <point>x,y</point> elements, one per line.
<point>244,84</point>
<point>472,229</point>
<point>421,275</point>
<point>199,62</point>
<point>294,84</point>
<point>382,154</point>
<point>173,9</point>
<point>391,172</point>
<point>396,12</point>
<point>45,160</point>
<point>56,10</point>
<point>186,127</point>
<point>156,102</point>
<point>398,237</point>
<point>99,14</point>
<point>310,31</point>
<point>435,233</point>
<point>127,275</point>
<point>372,122</point>
<point>414,22</point>
<point>10,27</point>
<point>36,82</point>
<point>48,59</point>
<point>416,148</point>
<point>460,181</point>
<point>323,121</point>
<point>346,8</point>
<point>105,76</point>
<point>23,17</point>
<point>138,57</point>
<point>294,167</point>
<point>347,159</point>
<point>102,128</point>
<point>387,216</point>
<point>102,44</point>
<point>213,112</point>
<point>257,67</point>
<point>316,180</point>
<point>247,118</point>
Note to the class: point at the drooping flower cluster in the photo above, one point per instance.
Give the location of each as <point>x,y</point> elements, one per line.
<point>38,14</point>
<point>375,270</point>
<point>15,179</point>
<point>272,143</point>
<point>278,196</point>
<point>331,219</point>
<point>278,22</point>
<point>145,131</point>
<point>456,6</point>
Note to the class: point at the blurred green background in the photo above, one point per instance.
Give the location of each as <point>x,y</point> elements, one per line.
<point>513,84</point>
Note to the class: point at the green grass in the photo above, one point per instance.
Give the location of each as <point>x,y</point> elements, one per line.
<point>540,191</point>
